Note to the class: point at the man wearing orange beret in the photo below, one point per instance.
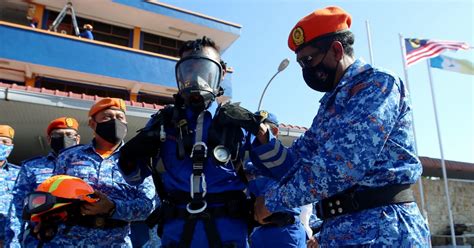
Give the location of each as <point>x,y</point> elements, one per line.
<point>357,160</point>
<point>61,133</point>
<point>8,175</point>
<point>105,223</point>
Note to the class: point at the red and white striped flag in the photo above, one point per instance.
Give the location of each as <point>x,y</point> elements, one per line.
<point>417,50</point>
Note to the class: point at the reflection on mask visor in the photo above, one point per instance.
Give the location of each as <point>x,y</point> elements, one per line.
<point>198,73</point>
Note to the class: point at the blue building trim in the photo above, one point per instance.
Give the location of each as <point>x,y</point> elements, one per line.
<point>182,15</point>
<point>41,48</point>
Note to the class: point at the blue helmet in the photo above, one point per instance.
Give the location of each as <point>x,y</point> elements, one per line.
<point>268,117</point>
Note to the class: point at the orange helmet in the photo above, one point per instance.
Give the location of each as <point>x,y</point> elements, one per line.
<point>56,192</point>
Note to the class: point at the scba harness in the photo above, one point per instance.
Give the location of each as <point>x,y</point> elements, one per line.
<point>223,146</point>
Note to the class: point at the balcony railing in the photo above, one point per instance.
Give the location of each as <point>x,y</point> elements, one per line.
<point>54,50</point>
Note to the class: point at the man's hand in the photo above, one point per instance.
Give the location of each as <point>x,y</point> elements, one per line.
<point>103,206</point>
<point>312,243</point>
<point>262,135</point>
<point>261,211</point>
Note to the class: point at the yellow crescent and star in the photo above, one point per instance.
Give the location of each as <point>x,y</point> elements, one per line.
<point>415,43</point>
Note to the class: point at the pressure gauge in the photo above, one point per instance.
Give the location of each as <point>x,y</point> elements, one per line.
<point>221,154</point>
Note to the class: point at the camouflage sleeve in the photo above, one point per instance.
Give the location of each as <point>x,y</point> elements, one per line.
<point>12,229</point>
<point>357,137</point>
<point>139,203</point>
<point>23,186</point>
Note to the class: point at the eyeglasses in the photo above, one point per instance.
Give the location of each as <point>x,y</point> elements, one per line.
<point>307,61</point>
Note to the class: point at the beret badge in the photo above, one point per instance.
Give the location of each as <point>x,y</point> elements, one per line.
<point>298,36</point>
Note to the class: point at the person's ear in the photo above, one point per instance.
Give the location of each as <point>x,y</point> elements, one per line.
<point>48,137</point>
<point>337,49</point>
<point>92,124</point>
<point>78,139</point>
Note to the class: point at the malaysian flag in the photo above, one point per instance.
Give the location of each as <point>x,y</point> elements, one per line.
<point>417,49</point>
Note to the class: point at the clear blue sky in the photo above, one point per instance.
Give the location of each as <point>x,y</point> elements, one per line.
<point>256,55</point>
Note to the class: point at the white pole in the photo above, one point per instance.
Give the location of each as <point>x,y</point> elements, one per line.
<point>369,39</point>
<point>283,65</point>
<point>443,165</point>
<point>265,89</point>
<point>420,182</point>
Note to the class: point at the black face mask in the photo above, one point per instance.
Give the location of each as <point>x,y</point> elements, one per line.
<point>112,131</point>
<point>62,142</point>
<point>320,77</point>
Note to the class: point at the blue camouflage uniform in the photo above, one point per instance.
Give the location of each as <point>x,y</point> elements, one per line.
<point>291,235</point>
<point>362,135</point>
<point>219,178</point>
<point>32,172</point>
<point>8,175</point>
<point>132,203</point>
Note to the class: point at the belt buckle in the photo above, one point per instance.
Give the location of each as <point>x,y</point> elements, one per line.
<point>99,222</point>
<point>191,210</point>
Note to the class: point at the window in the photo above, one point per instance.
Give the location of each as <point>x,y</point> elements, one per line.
<point>6,81</point>
<point>162,45</point>
<point>78,88</point>
<point>102,31</point>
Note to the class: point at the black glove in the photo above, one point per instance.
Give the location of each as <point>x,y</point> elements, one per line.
<point>234,115</point>
<point>144,145</point>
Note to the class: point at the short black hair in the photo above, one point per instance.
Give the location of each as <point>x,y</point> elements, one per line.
<point>203,42</point>
<point>323,43</point>
<point>191,44</point>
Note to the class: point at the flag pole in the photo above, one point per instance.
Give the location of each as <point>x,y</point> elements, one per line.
<point>369,39</point>
<point>443,165</point>
<point>420,182</point>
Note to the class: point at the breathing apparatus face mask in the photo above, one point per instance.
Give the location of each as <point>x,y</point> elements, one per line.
<point>198,77</point>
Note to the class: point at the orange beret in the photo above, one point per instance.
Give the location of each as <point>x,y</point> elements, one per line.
<point>62,123</point>
<point>319,23</point>
<point>7,131</point>
<point>106,103</point>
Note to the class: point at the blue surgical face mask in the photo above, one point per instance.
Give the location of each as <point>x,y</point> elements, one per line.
<point>5,151</point>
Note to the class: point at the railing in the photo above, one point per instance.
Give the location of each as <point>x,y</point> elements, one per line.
<point>46,48</point>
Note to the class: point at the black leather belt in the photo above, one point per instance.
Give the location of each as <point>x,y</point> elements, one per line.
<point>280,219</point>
<point>100,222</point>
<point>351,201</point>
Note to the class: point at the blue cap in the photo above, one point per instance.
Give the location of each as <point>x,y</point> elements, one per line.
<point>269,117</point>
